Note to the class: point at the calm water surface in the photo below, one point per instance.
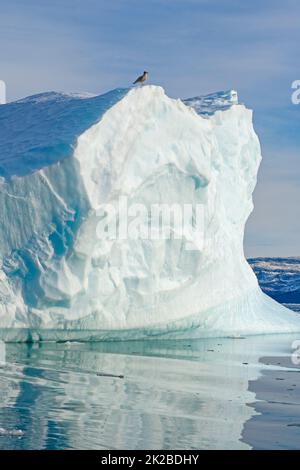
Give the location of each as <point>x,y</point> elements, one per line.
<point>237,393</point>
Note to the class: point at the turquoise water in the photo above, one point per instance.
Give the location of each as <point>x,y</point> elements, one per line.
<point>204,394</point>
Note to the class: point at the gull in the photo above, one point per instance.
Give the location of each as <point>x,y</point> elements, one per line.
<point>142,78</point>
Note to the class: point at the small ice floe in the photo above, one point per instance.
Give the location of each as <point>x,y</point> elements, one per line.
<point>11,433</point>
<point>103,374</point>
<point>2,353</point>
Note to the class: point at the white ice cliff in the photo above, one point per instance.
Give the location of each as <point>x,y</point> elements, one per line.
<point>62,157</point>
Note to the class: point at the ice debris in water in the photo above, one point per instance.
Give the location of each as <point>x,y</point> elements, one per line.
<point>11,433</point>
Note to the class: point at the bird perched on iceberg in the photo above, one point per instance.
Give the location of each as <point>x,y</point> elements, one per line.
<point>142,78</point>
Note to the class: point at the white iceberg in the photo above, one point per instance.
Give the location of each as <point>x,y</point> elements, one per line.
<point>62,157</point>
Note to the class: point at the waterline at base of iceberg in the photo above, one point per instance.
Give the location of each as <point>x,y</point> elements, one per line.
<point>253,314</point>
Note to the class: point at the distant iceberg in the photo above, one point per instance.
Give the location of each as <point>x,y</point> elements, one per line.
<point>64,156</point>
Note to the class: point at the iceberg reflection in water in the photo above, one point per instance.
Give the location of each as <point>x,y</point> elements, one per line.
<point>135,395</point>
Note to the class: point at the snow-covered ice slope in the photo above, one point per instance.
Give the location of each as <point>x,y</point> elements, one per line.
<point>62,157</point>
<point>207,105</point>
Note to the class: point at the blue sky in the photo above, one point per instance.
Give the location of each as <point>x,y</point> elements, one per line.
<point>190,47</point>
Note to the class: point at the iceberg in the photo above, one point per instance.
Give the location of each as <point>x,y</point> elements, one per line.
<point>65,157</point>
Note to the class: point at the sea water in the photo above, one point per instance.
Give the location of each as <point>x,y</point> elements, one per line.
<point>227,393</point>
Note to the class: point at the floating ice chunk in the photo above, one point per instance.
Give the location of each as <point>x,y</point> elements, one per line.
<point>11,433</point>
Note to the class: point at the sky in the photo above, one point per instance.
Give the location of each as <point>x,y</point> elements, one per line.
<point>190,47</point>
